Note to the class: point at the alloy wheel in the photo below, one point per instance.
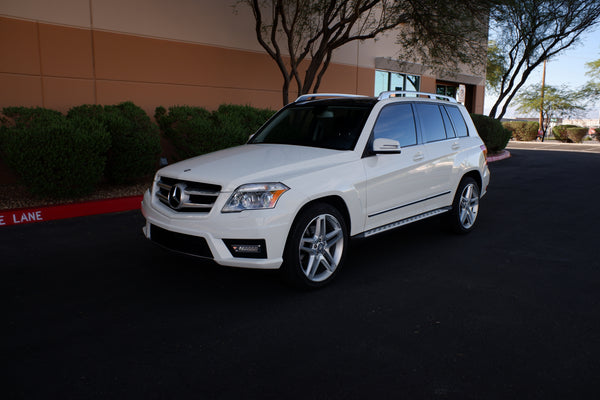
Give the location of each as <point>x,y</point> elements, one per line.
<point>321,247</point>
<point>468,206</point>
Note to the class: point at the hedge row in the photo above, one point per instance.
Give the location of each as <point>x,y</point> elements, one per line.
<point>54,156</point>
<point>65,156</point>
<point>528,130</point>
<point>61,156</point>
<point>571,133</point>
<point>523,130</point>
<point>135,141</point>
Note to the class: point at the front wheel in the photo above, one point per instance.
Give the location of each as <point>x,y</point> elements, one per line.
<point>316,247</point>
<point>465,207</point>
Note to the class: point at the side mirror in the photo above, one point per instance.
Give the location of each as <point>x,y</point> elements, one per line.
<point>386,146</point>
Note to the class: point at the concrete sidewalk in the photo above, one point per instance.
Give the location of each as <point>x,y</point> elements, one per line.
<point>552,145</point>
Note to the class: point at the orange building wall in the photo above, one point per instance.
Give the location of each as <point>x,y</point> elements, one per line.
<point>428,84</point>
<point>479,96</point>
<point>60,67</point>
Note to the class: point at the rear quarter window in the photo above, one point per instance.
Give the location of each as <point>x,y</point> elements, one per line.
<point>458,121</point>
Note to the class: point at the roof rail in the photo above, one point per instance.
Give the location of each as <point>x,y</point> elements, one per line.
<point>306,97</point>
<point>408,93</point>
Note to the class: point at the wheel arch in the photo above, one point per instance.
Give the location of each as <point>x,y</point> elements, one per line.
<point>332,200</point>
<point>475,175</point>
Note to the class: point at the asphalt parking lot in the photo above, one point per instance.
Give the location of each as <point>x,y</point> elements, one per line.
<point>94,311</point>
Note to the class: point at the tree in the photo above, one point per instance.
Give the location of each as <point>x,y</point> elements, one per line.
<point>531,31</point>
<point>304,33</point>
<point>594,69</point>
<point>496,67</point>
<point>447,36</point>
<point>558,102</point>
<point>592,89</point>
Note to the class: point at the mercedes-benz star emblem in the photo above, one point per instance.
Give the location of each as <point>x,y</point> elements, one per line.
<point>177,196</point>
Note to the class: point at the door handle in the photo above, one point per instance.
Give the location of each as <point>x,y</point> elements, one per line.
<point>455,146</point>
<point>418,156</point>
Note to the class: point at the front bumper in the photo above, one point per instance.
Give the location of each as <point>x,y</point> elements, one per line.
<point>189,233</point>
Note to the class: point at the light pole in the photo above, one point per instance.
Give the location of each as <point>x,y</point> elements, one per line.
<point>541,131</point>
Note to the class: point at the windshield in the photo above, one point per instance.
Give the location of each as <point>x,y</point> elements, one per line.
<point>327,126</point>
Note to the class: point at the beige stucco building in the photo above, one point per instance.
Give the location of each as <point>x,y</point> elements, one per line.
<point>62,53</point>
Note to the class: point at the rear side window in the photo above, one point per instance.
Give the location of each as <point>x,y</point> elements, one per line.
<point>432,124</point>
<point>396,121</point>
<point>450,133</point>
<point>457,120</point>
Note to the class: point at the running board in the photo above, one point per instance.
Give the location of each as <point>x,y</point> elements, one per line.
<point>402,222</point>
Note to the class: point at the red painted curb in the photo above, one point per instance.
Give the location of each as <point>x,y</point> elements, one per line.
<point>40,214</point>
<point>504,154</point>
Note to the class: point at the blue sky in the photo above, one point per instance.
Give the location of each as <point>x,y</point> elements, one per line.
<point>568,68</point>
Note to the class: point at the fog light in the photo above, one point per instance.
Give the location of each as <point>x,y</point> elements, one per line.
<point>247,248</point>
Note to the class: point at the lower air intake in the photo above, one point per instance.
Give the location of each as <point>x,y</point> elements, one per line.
<point>187,244</point>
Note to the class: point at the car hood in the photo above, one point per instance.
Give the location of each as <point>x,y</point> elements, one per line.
<point>255,163</point>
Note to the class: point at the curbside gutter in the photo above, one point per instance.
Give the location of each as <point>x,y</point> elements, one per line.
<point>41,214</point>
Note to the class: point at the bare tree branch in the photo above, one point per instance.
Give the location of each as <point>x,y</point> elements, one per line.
<point>311,30</point>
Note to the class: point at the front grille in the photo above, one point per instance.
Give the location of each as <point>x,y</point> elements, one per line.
<point>188,244</point>
<point>187,196</point>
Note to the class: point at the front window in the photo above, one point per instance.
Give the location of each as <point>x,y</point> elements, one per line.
<point>396,122</point>
<point>316,125</point>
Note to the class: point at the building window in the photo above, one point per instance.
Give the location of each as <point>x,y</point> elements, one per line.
<point>447,90</point>
<point>386,80</point>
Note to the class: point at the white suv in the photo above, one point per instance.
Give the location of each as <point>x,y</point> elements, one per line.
<point>325,168</point>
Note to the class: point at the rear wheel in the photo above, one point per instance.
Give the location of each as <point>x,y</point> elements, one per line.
<point>465,208</point>
<point>316,247</point>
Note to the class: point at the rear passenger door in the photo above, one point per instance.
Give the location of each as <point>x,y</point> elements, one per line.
<point>441,146</point>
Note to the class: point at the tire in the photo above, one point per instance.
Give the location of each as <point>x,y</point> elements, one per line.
<point>316,247</point>
<point>465,207</point>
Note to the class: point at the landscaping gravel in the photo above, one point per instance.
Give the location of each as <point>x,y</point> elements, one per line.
<point>16,196</point>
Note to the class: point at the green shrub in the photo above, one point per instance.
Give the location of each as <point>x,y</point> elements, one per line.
<point>23,116</point>
<point>523,130</point>
<point>54,156</point>
<point>194,130</point>
<point>135,140</point>
<point>93,111</point>
<point>188,129</point>
<point>135,143</point>
<point>576,135</point>
<point>560,132</point>
<point>491,131</point>
<point>239,122</point>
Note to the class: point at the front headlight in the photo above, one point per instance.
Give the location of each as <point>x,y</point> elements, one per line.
<point>151,188</point>
<point>255,196</point>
